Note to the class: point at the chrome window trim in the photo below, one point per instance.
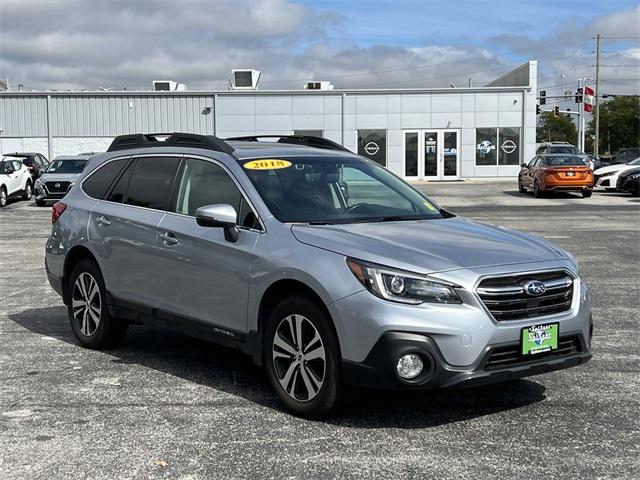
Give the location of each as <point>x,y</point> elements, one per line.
<point>574,301</point>
<point>180,156</point>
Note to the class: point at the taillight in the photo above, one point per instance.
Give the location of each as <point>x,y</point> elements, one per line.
<point>57,210</point>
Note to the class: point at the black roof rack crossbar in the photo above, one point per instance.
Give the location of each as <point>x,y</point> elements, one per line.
<point>307,140</point>
<point>189,140</point>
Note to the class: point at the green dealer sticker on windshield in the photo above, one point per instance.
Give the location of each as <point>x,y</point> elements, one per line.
<point>539,339</point>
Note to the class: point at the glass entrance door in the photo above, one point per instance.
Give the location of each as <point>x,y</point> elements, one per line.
<point>431,147</point>
<point>431,154</point>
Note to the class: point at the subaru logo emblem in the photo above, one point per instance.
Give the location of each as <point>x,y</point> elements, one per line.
<point>535,288</point>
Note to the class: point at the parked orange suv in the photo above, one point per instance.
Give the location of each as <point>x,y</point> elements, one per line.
<point>556,172</point>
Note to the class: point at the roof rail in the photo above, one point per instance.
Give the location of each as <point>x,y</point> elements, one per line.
<point>307,140</point>
<point>189,140</point>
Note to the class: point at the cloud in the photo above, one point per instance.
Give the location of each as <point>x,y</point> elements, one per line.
<point>75,44</point>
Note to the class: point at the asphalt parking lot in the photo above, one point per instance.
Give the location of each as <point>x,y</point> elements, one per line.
<point>164,406</point>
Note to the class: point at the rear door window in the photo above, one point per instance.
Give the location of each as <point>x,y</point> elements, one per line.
<point>98,183</point>
<point>151,182</point>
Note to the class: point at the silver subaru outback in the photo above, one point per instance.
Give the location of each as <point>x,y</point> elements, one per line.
<point>322,265</point>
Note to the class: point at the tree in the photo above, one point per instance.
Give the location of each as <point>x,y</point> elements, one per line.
<point>619,123</point>
<point>559,129</point>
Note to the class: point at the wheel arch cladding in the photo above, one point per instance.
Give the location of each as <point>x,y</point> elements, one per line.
<point>276,293</point>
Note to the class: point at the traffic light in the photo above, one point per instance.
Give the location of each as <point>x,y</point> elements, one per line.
<point>538,110</point>
<point>543,97</point>
<point>556,111</point>
<point>579,95</point>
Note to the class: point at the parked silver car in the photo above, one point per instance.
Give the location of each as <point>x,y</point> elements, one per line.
<point>324,266</point>
<point>60,175</point>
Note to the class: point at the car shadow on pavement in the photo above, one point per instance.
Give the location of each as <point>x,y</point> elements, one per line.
<point>232,372</point>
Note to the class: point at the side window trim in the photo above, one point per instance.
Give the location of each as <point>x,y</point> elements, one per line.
<point>244,197</point>
<point>121,173</point>
<point>113,182</point>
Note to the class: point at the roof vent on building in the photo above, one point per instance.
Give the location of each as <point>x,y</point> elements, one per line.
<point>322,85</point>
<point>245,79</point>
<point>168,86</point>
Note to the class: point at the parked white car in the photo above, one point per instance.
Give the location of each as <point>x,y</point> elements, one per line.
<point>15,179</point>
<point>607,177</point>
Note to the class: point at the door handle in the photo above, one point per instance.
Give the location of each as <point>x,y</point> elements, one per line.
<point>103,221</point>
<point>168,238</point>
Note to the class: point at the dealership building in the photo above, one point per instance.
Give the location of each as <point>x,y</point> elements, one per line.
<point>419,133</point>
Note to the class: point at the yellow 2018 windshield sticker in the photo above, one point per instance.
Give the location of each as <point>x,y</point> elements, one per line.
<point>267,164</point>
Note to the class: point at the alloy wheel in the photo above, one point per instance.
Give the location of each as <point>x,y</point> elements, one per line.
<point>3,198</point>
<point>86,303</point>
<point>299,358</point>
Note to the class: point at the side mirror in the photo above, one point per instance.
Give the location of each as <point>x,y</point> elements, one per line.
<point>222,216</point>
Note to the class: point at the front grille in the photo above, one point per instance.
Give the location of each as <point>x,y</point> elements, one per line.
<point>57,187</point>
<point>505,357</point>
<point>506,299</point>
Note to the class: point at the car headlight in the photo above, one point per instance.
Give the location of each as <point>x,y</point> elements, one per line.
<point>608,174</point>
<point>401,286</point>
<point>39,183</point>
<point>70,186</point>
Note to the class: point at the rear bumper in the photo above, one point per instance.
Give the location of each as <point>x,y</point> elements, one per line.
<point>568,187</point>
<point>54,281</point>
<point>378,370</point>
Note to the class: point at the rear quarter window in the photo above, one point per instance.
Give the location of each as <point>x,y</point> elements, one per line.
<point>98,183</point>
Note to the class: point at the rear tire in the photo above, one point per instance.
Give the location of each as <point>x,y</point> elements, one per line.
<point>27,192</point>
<point>88,313</point>
<point>521,188</point>
<point>536,189</point>
<point>587,193</point>
<point>301,357</point>
<point>40,203</point>
<point>3,197</point>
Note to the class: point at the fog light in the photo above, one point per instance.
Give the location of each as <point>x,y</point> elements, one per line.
<point>409,366</point>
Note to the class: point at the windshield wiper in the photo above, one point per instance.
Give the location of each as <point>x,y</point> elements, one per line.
<point>320,223</point>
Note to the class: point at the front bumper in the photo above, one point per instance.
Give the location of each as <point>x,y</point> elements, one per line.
<point>378,370</point>
<point>458,336</point>
<point>42,194</point>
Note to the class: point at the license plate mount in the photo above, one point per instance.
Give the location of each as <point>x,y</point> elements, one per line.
<point>538,339</point>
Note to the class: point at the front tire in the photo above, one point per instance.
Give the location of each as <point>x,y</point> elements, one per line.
<point>3,197</point>
<point>88,313</point>
<point>301,357</point>
<point>27,192</point>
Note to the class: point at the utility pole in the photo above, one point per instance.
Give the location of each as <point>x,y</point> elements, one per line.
<point>597,103</point>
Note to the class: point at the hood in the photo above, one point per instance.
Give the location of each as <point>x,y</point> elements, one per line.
<point>428,246</point>
<point>59,177</point>
<point>611,168</point>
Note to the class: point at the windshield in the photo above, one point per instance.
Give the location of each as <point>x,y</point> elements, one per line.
<point>564,149</point>
<point>335,190</point>
<point>634,162</point>
<point>558,161</point>
<point>67,166</point>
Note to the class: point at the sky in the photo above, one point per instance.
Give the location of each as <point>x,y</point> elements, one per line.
<point>88,44</point>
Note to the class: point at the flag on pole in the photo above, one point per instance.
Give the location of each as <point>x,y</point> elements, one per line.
<point>588,99</point>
